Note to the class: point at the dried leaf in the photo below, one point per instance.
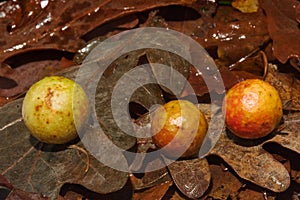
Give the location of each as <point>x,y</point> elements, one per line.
<point>192,177</point>
<point>223,188</point>
<point>253,164</point>
<point>150,179</point>
<point>289,137</point>
<point>287,86</point>
<point>17,194</point>
<point>249,194</point>
<point>168,76</point>
<point>245,6</point>
<point>295,175</point>
<point>38,168</point>
<point>146,95</point>
<point>156,192</point>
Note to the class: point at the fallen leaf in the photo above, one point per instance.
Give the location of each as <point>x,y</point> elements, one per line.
<point>249,194</point>
<point>61,25</point>
<point>252,163</point>
<point>145,95</point>
<point>192,177</point>
<point>287,86</point>
<point>283,28</point>
<point>245,6</point>
<point>40,168</point>
<point>223,188</point>
<point>156,192</point>
<point>17,194</point>
<point>169,76</point>
<point>24,76</point>
<point>235,35</point>
<point>150,179</point>
<point>289,136</point>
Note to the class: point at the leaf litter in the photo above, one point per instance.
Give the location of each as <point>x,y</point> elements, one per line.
<point>261,168</point>
<point>41,168</point>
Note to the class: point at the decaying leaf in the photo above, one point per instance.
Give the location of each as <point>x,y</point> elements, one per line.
<point>192,177</point>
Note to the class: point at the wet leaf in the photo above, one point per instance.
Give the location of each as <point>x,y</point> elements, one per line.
<point>283,28</point>
<point>84,51</point>
<point>61,24</point>
<point>24,76</point>
<point>192,177</point>
<point>255,64</point>
<point>236,34</point>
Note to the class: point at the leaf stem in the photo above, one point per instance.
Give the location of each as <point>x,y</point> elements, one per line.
<point>85,152</point>
<point>11,124</point>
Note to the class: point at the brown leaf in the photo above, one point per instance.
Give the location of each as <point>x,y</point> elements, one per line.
<point>253,164</point>
<point>283,28</point>
<point>27,74</point>
<point>295,175</point>
<point>61,24</point>
<point>224,183</point>
<point>150,179</point>
<point>287,86</point>
<point>249,194</point>
<point>246,6</point>
<point>156,192</point>
<point>145,95</point>
<point>4,182</point>
<point>37,168</point>
<point>192,177</point>
<point>289,137</point>
<point>174,63</point>
<point>235,34</point>
<point>17,194</point>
